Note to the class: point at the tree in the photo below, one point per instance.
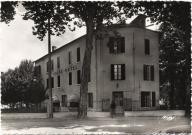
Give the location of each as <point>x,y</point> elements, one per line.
<point>10,85</point>
<point>175,45</point>
<point>21,85</point>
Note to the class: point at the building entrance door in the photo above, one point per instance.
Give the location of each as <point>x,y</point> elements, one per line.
<point>118,99</point>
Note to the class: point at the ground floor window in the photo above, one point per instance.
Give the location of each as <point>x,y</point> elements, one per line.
<point>90,100</point>
<point>145,99</point>
<point>64,100</point>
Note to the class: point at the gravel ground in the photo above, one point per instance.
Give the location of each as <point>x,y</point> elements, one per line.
<point>120,125</point>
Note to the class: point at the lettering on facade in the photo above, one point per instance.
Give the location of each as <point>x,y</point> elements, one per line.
<point>71,68</point>
<point>59,71</point>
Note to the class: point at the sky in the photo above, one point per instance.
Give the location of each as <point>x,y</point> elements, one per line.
<point>17,42</point>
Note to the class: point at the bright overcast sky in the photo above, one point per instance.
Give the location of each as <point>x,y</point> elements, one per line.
<point>18,43</point>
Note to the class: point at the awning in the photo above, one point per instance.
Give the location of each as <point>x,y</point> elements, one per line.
<point>55,99</point>
<point>73,98</point>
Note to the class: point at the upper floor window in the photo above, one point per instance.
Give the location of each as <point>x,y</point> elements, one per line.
<point>58,62</point>
<point>116,44</point>
<point>70,78</point>
<point>78,54</point>
<point>69,57</point>
<point>147,47</point>
<point>117,71</point>
<point>148,72</point>
<point>58,81</point>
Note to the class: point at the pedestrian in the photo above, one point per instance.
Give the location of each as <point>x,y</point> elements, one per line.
<point>113,106</point>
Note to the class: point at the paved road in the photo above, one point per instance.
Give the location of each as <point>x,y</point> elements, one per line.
<point>95,125</point>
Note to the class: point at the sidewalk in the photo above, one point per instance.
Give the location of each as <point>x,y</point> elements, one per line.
<point>98,115</point>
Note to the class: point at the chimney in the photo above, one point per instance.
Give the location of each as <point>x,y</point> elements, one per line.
<point>139,21</point>
<point>53,48</point>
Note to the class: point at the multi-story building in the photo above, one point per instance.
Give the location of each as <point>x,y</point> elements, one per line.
<point>124,67</point>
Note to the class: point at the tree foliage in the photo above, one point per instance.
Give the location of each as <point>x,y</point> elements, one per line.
<point>8,11</point>
<point>21,86</point>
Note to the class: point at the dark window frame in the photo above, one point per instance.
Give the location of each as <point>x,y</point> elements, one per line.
<point>148,72</point>
<point>118,72</point>
<point>70,78</point>
<point>147,47</point>
<point>58,62</point>
<point>145,99</point>
<point>90,100</point>
<point>58,81</point>
<point>116,45</point>
<point>78,54</point>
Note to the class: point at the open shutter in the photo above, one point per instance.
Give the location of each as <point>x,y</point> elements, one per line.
<point>112,72</point>
<point>145,72</point>
<point>111,44</point>
<point>152,73</point>
<point>122,44</point>
<point>123,71</point>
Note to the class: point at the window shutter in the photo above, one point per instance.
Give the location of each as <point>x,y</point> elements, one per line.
<point>111,44</point>
<point>152,73</point>
<point>112,72</point>
<point>52,82</point>
<point>123,71</point>
<point>122,44</point>
<point>145,72</point>
<point>39,70</point>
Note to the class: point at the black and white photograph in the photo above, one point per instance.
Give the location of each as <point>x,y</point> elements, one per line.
<point>95,67</point>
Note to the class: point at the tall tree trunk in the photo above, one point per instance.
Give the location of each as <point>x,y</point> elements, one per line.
<point>82,111</point>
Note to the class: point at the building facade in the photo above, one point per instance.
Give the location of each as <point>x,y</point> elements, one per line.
<point>124,68</point>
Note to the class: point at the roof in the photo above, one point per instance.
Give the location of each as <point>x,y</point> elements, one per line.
<point>60,48</point>
<point>138,22</point>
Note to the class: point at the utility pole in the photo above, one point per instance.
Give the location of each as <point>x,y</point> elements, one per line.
<point>50,103</point>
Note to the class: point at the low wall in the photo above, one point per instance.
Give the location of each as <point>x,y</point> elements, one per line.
<point>155,113</point>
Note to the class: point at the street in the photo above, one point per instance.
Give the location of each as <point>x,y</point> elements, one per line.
<point>118,125</point>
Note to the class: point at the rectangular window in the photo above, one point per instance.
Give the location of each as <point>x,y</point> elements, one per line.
<point>78,76</point>
<point>117,71</point>
<point>52,65</point>
<point>70,78</point>
<point>148,72</point>
<point>153,99</point>
<point>64,100</point>
<point>90,100</point>
<point>147,47</point>
<point>47,66</point>
<point>116,45</point>
<point>145,99</point>
<point>69,57</point>
<point>52,82</point>
<point>78,54</point>
<point>58,62</point>
<point>58,81</point>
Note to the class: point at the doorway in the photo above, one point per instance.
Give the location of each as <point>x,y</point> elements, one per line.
<point>118,99</point>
